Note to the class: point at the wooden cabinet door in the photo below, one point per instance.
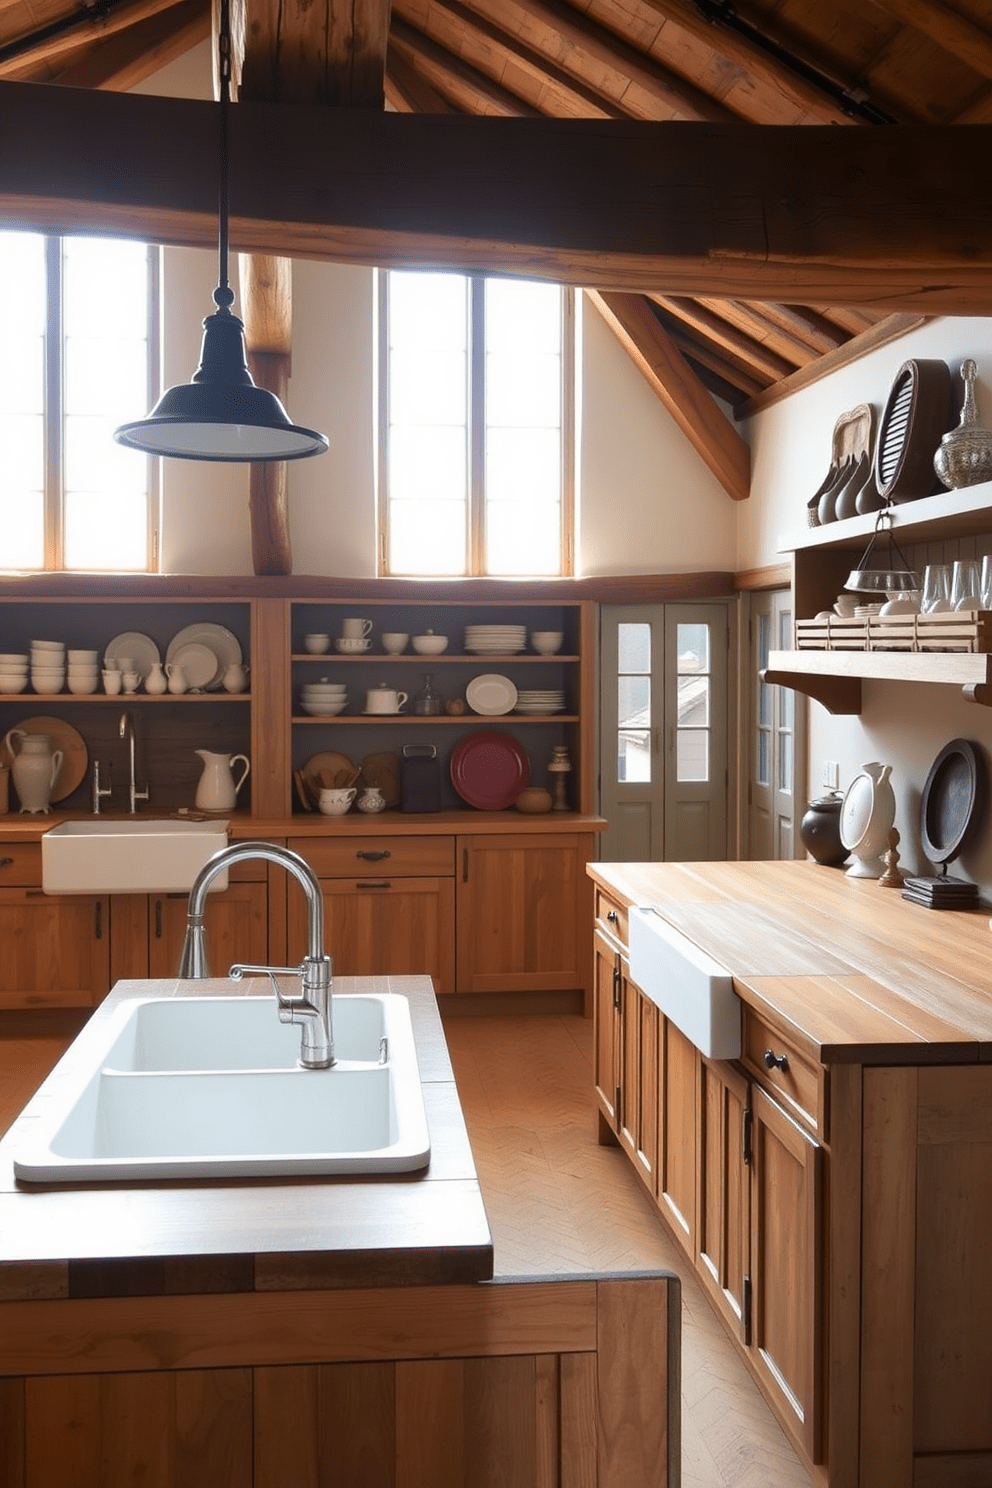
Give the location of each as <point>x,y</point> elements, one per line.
<point>607,1004</point>
<point>786,1268</point>
<point>56,949</point>
<point>722,1220</point>
<point>522,925</point>
<point>678,1105</point>
<point>641,1023</point>
<point>383,927</point>
<point>236,924</point>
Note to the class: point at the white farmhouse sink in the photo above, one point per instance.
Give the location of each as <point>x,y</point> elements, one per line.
<point>136,856</point>
<point>209,1088</point>
<point>689,987</point>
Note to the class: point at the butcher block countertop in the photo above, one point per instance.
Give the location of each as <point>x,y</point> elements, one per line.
<point>107,1240</point>
<point>851,970</point>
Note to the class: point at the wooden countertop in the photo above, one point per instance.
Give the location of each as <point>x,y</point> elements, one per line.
<point>417,1229</point>
<point>16,827</point>
<point>853,971</point>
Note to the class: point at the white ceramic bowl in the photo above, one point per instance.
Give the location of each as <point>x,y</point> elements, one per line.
<point>352,645</point>
<point>323,710</point>
<point>546,642</point>
<point>430,645</point>
<point>316,644</point>
<point>57,646</point>
<point>82,684</point>
<point>10,683</point>
<point>13,659</point>
<point>394,641</point>
<point>83,658</point>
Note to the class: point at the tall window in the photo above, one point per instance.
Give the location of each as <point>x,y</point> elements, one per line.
<point>475,471</point>
<point>77,352</point>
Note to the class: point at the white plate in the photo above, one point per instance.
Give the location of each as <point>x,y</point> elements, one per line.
<point>139,648</point>
<point>199,664</point>
<point>491,694</point>
<point>222,642</point>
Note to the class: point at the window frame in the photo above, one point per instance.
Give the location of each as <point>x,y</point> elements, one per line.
<point>53,413</point>
<point>476,494</point>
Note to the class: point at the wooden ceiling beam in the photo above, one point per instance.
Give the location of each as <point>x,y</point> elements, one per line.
<point>675,94</point>
<point>410,93</point>
<point>103,25</point>
<point>129,57</point>
<point>332,52</point>
<point>715,440</point>
<point>948,28</point>
<point>484,93</point>
<point>548,77</point>
<point>709,320</point>
<point>809,328</point>
<point>888,218</point>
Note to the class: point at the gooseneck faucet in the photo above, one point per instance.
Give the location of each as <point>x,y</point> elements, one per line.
<point>312,1009</point>
<point>126,731</point>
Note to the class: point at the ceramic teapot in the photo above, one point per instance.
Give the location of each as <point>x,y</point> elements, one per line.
<point>35,768</point>
<point>218,790</point>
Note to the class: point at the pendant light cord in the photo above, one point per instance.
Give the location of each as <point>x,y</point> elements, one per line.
<point>223,297</point>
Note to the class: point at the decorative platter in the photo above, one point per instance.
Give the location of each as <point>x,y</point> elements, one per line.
<point>491,694</point>
<point>135,646</point>
<point>75,757</point>
<point>489,770</point>
<point>221,641</point>
<point>199,664</point>
<point>952,799</point>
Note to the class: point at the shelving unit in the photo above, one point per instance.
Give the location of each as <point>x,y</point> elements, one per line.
<point>822,560</point>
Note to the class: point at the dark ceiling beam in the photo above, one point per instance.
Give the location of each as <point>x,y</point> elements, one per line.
<point>611,51</point>
<point>410,93</point>
<point>540,68</point>
<point>948,28</point>
<point>715,440</point>
<point>460,76</point>
<point>884,217</point>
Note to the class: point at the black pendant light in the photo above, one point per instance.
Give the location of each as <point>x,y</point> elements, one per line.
<point>221,414</point>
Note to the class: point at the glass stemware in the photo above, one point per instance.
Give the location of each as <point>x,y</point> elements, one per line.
<point>966,586</point>
<point>986,582</point>
<point>936,589</point>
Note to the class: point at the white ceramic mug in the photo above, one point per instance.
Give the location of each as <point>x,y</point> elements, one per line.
<point>355,629</point>
<point>112,682</point>
<point>130,680</point>
<point>336,802</point>
<point>383,699</point>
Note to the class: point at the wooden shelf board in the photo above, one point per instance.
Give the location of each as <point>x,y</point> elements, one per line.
<point>834,677</point>
<point>959,513</point>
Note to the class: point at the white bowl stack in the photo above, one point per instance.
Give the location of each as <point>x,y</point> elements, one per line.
<point>13,671</point>
<point>537,700</point>
<point>48,666</point>
<point>323,699</point>
<point>501,640</point>
<point>83,671</point>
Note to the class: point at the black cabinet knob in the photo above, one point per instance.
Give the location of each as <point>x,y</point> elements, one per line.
<point>776,1061</point>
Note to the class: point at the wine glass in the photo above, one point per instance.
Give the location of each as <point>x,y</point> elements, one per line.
<point>936,589</point>
<point>966,586</point>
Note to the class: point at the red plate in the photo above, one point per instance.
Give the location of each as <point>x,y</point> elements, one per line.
<point>489,770</point>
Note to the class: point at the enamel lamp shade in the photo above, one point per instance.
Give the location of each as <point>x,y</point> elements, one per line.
<point>221,414</point>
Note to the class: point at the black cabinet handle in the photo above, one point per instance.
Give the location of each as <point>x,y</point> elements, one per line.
<point>6,862</point>
<point>373,857</point>
<point>385,884</point>
<point>776,1061</point>
<point>613,917</point>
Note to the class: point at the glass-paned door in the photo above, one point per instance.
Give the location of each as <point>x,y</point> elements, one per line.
<point>777,744</point>
<point>663,732</point>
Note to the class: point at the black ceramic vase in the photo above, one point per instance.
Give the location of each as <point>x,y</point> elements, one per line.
<point>819,830</point>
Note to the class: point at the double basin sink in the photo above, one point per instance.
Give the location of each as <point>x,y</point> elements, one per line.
<point>209,1087</point>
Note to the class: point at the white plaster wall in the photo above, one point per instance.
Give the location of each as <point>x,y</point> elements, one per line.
<point>900,725</point>
<point>647,502</point>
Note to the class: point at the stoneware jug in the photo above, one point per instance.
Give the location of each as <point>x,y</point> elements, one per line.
<point>156,681</point>
<point>218,790</point>
<point>176,676</point>
<point>866,818</point>
<point>35,769</point>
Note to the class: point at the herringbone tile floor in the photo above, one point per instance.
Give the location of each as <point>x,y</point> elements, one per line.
<point>559,1202</point>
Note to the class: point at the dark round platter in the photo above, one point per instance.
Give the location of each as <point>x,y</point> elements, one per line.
<point>953,798</point>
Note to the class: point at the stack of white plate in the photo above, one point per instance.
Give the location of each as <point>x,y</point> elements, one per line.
<point>536,700</point>
<point>498,639</point>
<point>323,699</point>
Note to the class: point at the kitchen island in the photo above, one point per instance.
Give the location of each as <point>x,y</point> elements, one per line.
<point>831,1186</point>
<point>316,1331</point>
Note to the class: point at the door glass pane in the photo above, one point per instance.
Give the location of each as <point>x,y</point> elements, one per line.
<point>692,746</point>
<point>634,702</point>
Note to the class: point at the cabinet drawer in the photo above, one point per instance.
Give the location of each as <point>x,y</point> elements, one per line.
<point>800,1086</point>
<point>399,857</point>
<point>20,864</point>
<point>611,916</point>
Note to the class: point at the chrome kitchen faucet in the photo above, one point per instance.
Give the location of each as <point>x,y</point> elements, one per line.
<point>312,1009</point>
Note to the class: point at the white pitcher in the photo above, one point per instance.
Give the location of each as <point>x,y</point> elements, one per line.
<point>218,790</point>
<point>156,681</point>
<point>35,769</point>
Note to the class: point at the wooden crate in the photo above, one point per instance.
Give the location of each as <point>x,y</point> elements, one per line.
<point>965,630</point>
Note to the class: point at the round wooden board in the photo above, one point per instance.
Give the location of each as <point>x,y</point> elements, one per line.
<point>329,761</point>
<point>75,756</point>
<point>383,770</point>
